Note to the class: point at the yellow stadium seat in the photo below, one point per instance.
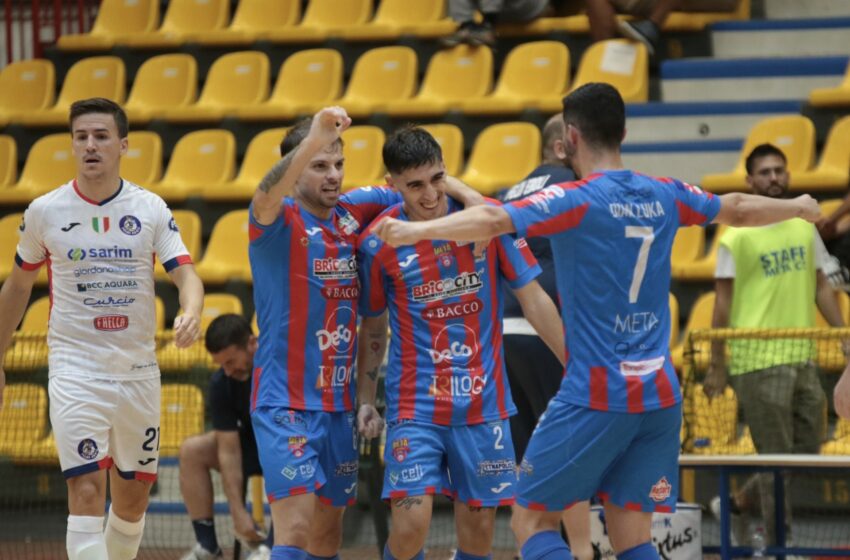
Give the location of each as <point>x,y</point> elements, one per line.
<point>115,18</point>
<point>142,164</point>
<point>226,256</point>
<point>181,416</point>
<point>189,226</point>
<point>688,247</point>
<point>364,164</point>
<point>262,153</point>
<point>836,447</point>
<point>700,317</point>
<point>842,428</point>
<point>98,76</point>
<point>832,97</point>
<point>450,138</point>
<point>8,161</point>
<point>254,327</point>
<point>674,319</point>
<point>200,158</point>
<point>828,207</point>
<point>167,81</point>
<point>253,20</point>
<point>793,134</point>
<point>394,18</point>
<point>503,154</point>
<point>183,19</point>
<point>235,80</point>
<point>453,76</point>
<point>323,19</point>
<point>830,356</point>
<point>9,226</point>
<point>703,268</point>
<point>307,81</point>
<point>26,86</point>
<point>49,164</point>
<point>219,304</point>
<point>534,76</point>
<point>380,75</point>
<point>833,169</point>
<point>23,419</point>
<point>621,63</point>
<point>715,422</point>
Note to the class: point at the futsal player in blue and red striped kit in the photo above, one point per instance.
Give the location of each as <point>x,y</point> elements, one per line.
<point>613,427</point>
<point>448,398</point>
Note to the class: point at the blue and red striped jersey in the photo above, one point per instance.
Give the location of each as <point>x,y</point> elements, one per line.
<point>306,293</point>
<point>611,237</point>
<point>446,362</point>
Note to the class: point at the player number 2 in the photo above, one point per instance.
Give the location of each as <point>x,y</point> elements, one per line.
<point>152,434</point>
<point>647,236</point>
<point>497,431</point>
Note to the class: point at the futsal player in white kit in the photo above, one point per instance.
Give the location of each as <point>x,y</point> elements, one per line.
<point>98,235</point>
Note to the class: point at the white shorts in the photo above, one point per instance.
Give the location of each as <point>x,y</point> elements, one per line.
<point>99,423</point>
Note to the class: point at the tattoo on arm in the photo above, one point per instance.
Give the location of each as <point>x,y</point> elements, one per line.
<point>277,172</point>
<point>407,503</point>
<point>373,374</point>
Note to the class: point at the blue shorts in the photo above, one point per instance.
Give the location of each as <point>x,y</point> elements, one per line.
<point>631,460</point>
<point>472,464</point>
<point>307,451</point>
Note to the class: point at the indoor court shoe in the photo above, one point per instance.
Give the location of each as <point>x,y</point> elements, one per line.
<point>201,553</point>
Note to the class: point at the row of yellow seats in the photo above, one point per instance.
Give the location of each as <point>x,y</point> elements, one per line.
<point>795,136</point>
<point>535,75</point>
<point>836,97</point>
<point>203,163</point>
<point>25,433</point>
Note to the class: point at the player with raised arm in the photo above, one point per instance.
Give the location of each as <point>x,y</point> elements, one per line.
<point>613,427</point>
<point>302,237</point>
<point>448,398</point>
<point>99,234</point>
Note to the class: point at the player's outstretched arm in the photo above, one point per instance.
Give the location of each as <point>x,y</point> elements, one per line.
<point>14,296</point>
<point>739,209</point>
<point>841,394</point>
<point>278,183</point>
<point>472,224</point>
<point>371,347</point>
<point>541,312</point>
<point>229,451</point>
<point>187,325</point>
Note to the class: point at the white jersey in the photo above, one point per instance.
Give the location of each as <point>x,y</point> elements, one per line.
<point>100,259</point>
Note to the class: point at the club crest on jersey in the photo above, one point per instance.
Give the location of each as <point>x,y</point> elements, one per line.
<point>297,444</point>
<point>401,447</point>
<point>87,449</point>
<point>100,225</point>
<point>660,490</point>
<point>131,225</point>
<point>444,254</point>
<point>172,225</point>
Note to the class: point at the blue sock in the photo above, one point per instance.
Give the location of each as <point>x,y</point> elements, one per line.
<point>388,555</point>
<point>205,534</point>
<point>547,545</point>
<point>288,553</point>
<point>645,551</point>
<point>461,555</point>
<point>313,557</point>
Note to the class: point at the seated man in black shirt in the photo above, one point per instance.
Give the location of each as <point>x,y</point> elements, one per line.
<point>229,448</point>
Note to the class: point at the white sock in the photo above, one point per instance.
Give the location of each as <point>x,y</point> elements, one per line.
<point>123,537</point>
<point>84,538</point>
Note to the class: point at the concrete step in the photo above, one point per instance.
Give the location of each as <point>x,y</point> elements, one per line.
<point>774,38</point>
<point>791,9</point>
<point>687,161</point>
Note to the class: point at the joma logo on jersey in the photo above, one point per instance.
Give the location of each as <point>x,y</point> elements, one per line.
<point>456,386</point>
<point>468,282</point>
<point>335,269</point>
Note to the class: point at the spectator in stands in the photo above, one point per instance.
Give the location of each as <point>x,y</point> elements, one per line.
<point>776,381</point>
<point>229,448</point>
<point>534,373</point>
<point>492,12</point>
<point>651,13</point>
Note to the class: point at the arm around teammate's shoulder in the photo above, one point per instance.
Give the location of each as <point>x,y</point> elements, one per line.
<point>479,222</point>
<point>14,296</point>
<point>740,209</point>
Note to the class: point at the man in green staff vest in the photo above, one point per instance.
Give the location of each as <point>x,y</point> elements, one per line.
<point>769,277</point>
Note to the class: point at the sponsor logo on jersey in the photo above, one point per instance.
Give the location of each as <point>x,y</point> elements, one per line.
<point>111,322</point>
<point>23,225</point>
<point>337,333</point>
<point>109,301</point>
<point>289,417</point>
<point>307,471</point>
<point>70,226</point>
<point>348,223</point>
<point>495,466</point>
<point>660,490</point>
<point>100,225</point>
<point>313,231</point>
<point>400,447</point>
<point>108,285</point>
<point>296,445</point>
<point>87,449</point>
<point>172,225</point>
<point>541,199</point>
<point>341,292</point>
<point>351,488</point>
<point>147,461</point>
<point>465,283</point>
<point>130,225</point>
<point>335,269</point>
<point>520,243</point>
<point>331,377</point>
<point>455,345</point>
<point>408,260</point>
<point>526,467</point>
<point>448,386</point>
<point>453,310</point>
<point>114,252</point>
<point>348,468</point>
<point>104,269</point>
<point>289,472</point>
<point>76,254</point>
<point>500,488</point>
<point>413,474</point>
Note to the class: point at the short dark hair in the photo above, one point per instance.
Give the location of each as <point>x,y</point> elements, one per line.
<point>598,111</point>
<point>553,130</point>
<point>761,151</point>
<point>296,134</point>
<point>100,105</point>
<point>410,147</point>
<point>227,330</point>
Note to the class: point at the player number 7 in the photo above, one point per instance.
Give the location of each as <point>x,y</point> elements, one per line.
<point>647,236</point>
